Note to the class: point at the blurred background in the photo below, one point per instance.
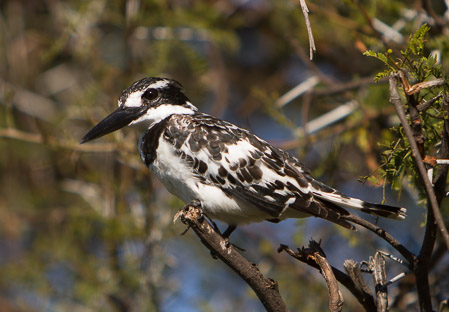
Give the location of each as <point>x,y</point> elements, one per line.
<point>88,228</point>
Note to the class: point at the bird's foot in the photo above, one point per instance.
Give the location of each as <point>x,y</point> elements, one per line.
<point>200,216</point>
<point>181,213</point>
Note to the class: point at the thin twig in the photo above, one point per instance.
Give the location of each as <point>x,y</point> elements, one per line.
<point>342,111</point>
<point>390,256</point>
<point>298,90</point>
<point>388,32</point>
<point>380,279</point>
<point>305,12</point>
<point>396,278</point>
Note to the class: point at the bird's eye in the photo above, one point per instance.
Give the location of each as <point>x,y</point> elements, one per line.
<point>150,94</point>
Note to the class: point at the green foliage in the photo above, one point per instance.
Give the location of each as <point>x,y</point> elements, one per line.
<point>412,60</point>
<point>386,59</point>
<point>396,160</point>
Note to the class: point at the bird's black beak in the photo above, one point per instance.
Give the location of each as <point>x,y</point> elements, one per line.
<point>118,119</point>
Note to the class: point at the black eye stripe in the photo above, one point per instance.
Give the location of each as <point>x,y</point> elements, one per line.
<point>150,94</point>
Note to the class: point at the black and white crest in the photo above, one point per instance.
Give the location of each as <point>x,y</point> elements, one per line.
<point>237,177</point>
<point>169,91</point>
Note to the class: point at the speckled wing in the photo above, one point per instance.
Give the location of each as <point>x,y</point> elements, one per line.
<point>246,167</point>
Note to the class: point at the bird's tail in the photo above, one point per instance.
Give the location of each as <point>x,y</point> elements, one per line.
<point>341,200</point>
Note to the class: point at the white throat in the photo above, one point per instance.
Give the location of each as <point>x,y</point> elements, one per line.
<point>159,113</point>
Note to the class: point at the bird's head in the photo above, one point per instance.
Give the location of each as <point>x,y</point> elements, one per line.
<point>146,101</point>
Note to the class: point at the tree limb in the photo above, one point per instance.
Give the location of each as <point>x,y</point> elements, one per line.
<point>396,101</point>
<point>434,219</point>
<point>265,288</point>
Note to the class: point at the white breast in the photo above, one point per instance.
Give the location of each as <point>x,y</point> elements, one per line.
<point>179,179</point>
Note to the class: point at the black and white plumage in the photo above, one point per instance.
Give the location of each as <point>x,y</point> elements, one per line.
<point>237,177</point>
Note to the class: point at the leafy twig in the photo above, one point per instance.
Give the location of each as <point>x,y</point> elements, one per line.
<point>434,219</point>
<point>396,101</point>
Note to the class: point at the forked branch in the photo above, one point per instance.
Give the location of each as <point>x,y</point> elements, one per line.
<point>315,257</point>
<point>353,281</point>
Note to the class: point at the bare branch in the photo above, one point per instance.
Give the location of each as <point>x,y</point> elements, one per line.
<point>335,296</point>
<point>314,256</point>
<point>362,291</point>
<point>325,120</point>
<point>265,288</point>
<point>298,90</point>
<point>15,134</point>
<point>305,12</point>
<point>36,138</point>
<point>388,32</point>
<point>380,279</point>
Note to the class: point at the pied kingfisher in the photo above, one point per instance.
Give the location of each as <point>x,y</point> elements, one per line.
<point>234,176</point>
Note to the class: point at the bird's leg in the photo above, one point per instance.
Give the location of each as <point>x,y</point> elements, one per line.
<point>197,204</point>
<point>194,203</point>
<point>229,231</point>
<point>214,225</point>
<point>225,235</point>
